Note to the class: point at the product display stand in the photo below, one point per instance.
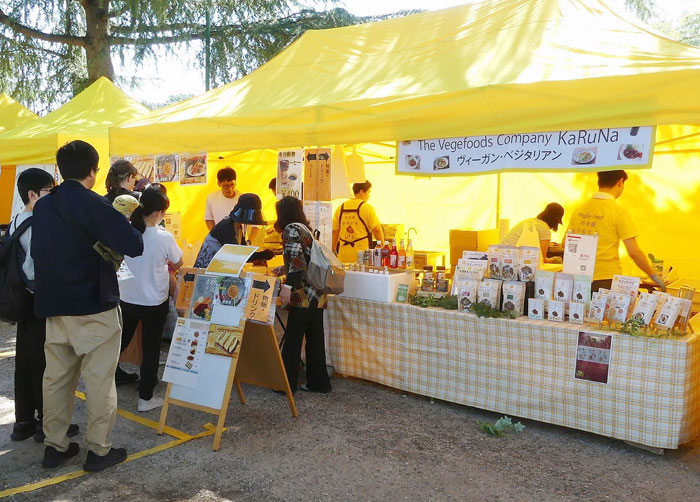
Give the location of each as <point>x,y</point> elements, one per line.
<point>257,361</point>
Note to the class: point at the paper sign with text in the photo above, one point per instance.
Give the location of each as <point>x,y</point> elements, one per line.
<point>230,259</point>
<point>260,298</point>
<point>575,150</point>
<point>317,174</point>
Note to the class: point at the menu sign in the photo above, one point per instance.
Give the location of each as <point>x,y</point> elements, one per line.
<point>320,216</point>
<point>581,150</point>
<point>593,357</point>
<point>186,351</point>
<point>290,164</point>
<point>317,174</point>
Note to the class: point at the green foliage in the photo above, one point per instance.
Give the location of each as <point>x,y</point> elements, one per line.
<point>446,302</point>
<point>502,426</point>
<point>48,38</point>
<point>483,310</point>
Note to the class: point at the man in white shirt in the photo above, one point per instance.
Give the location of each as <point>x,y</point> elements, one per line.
<point>221,203</point>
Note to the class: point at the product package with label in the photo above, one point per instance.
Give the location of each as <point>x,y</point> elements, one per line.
<point>556,310</point>
<point>596,309</point>
<point>668,314</point>
<point>645,308</point>
<point>513,297</point>
<point>529,263</point>
<point>577,312</point>
<point>618,307</point>
<point>467,294</point>
<point>684,315</point>
<point>563,286</point>
<point>535,309</point>
<point>544,284</point>
<point>581,292</point>
<point>510,263</point>
<point>495,261</point>
<point>489,292</point>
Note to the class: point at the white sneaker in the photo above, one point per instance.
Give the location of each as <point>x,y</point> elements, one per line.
<point>151,404</point>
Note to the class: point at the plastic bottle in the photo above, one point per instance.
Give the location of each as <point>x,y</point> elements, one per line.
<point>409,255</point>
<point>377,255</point>
<point>393,255</point>
<point>402,256</point>
<point>386,251</point>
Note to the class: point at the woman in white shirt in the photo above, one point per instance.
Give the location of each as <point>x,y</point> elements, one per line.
<point>144,297</point>
<point>546,221</point>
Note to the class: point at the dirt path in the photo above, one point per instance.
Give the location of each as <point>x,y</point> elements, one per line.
<point>361,442</point>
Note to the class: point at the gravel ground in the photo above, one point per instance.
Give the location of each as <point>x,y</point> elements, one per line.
<point>360,442</point>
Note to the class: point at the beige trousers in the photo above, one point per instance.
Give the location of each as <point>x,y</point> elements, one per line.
<point>86,346</point>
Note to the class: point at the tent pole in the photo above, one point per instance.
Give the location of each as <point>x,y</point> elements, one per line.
<point>498,200</point>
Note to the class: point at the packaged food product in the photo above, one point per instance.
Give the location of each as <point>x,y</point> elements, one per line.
<point>473,269</point>
<point>563,286</point>
<point>668,314</point>
<point>475,255</point>
<point>577,312</point>
<point>510,263</point>
<point>441,281</point>
<point>467,294</point>
<point>535,309</point>
<point>489,292</point>
<point>555,310</point>
<point>617,307</point>
<point>513,297</point>
<point>684,315</point>
<point>596,310</point>
<point>428,283</point>
<point>645,308</point>
<point>494,261</point>
<point>544,284</point>
<point>581,292</point>
<point>529,263</point>
<point>626,284</point>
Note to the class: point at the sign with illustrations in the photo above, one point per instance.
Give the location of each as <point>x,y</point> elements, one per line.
<point>579,150</point>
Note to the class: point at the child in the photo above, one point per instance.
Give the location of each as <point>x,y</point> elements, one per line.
<point>144,297</point>
<point>32,184</point>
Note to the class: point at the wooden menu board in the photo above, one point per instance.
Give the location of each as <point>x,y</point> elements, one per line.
<point>317,174</point>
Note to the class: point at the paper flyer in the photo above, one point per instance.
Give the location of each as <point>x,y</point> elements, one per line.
<point>124,273</point>
<point>193,169</point>
<point>173,224</point>
<point>290,165</point>
<point>230,259</point>
<point>579,254</point>
<point>202,304</point>
<point>186,351</point>
<point>593,357</point>
<point>230,300</point>
<point>167,168</point>
<point>224,340</point>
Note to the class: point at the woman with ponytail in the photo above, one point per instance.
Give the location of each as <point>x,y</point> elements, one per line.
<point>144,297</point>
<point>121,178</point>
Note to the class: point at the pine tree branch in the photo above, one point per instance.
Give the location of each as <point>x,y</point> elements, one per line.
<point>17,27</point>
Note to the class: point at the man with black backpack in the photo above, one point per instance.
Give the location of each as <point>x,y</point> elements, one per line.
<point>18,305</point>
<point>77,240</point>
<point>354,224</point>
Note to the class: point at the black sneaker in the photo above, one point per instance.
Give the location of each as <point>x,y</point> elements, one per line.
<point>22,430</point>
<point>39,435</point>
<point>95,463</point>
<point>121,377</point>
<point>54,458</point>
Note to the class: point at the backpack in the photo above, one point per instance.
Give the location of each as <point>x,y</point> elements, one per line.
<point>16,303</point>
<point>324,272</point>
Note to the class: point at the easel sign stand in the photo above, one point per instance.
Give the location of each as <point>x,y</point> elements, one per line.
<point>256,360</point>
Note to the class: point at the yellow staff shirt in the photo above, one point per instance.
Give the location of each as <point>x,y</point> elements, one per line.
<point>602,215</point>
<point>352,229</point>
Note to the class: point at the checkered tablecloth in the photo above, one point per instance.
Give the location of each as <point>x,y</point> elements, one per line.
<point>522,368</point>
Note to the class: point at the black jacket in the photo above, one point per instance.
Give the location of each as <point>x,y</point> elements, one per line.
<point>71,277</point>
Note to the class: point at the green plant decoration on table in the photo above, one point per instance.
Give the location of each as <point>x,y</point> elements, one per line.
<point>446,302</point>
<point>483,310</point>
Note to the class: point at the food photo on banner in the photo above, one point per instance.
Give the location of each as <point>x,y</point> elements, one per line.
<point>193,169</point>
<point>167,168</point>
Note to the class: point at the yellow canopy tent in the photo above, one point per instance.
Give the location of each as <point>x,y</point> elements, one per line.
<point>12,114</point>
<point>87,117</point>
<point>499,66</point>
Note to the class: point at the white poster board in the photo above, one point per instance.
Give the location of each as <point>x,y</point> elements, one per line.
<point>575,150</point>
<point>320,216</point>
<point>579,254</point>
<point>17,204</point>
<point>211,386</point>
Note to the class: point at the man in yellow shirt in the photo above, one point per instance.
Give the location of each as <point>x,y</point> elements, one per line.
<point>354,223</point>
<point>602,215</point>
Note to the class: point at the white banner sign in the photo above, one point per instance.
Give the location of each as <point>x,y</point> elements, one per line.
<point>593,149</point>
<point>320,216</point>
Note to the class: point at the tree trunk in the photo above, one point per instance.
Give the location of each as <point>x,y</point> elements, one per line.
<point>99,58</point>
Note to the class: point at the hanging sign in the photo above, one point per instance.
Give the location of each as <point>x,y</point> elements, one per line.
<point>260,299</point>
<point>317,174</point>
<point>290,165</point>
<point>579,254</point>
<point>320,216</point>
<point>193,169</point>
<point>580,150</point>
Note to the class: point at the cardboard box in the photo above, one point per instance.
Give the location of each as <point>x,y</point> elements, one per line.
<point>470,240</point>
